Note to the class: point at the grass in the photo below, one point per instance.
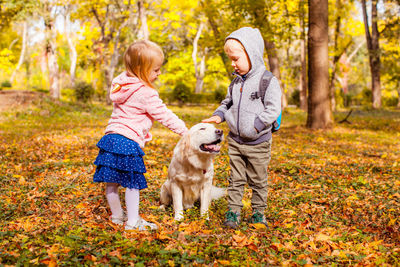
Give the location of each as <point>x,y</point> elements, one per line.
<point>333,195</point>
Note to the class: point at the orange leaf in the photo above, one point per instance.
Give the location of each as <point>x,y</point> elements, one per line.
<point>116,253</point>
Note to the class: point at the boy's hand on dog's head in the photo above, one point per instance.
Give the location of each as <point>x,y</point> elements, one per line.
<point>215,119</point>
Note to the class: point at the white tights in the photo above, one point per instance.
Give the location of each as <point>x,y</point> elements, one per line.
<point>131,201</point>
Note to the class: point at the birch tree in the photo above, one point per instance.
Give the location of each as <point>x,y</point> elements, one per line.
<point>23,50</point>
<point>199,68</point>
<point>144,28</point>
<point>49,10</point>
<point>372,38</point>
<point>69,33</point>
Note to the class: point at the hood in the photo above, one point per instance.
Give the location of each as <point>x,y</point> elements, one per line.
<point>253,43</point>
<point>129,85</point>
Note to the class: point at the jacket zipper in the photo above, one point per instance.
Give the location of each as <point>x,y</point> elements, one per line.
<point>240,101</point>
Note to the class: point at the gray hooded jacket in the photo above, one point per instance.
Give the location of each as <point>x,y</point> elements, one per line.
<point>248,119</point>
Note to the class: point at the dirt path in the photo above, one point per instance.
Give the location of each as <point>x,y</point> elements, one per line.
<point>17,99</point>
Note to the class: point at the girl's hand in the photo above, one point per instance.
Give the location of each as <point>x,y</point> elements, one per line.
<point>215,119</point>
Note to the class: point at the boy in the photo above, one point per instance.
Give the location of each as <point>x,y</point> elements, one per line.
<point>249,121</point>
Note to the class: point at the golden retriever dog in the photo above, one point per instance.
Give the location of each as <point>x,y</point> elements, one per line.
<point>190,174</point>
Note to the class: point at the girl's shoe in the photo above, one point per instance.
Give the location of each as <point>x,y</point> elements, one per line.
<point>119,220</point>
<point>141,225</point>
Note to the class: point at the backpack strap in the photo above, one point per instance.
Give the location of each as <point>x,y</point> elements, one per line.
<point>264,84</point>
<point>262,88</point>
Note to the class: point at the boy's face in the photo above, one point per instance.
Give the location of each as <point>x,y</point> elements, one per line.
<point>238,56</point>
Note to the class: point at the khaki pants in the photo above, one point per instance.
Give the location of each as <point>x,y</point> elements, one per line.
<point>249,164</point>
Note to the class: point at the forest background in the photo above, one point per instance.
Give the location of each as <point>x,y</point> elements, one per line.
<point>333,192</point>
<point>73,48</point>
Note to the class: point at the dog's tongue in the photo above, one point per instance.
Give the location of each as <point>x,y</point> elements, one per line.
<point>213,147</point>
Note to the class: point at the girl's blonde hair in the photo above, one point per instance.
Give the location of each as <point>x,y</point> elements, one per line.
<point>140,58</point>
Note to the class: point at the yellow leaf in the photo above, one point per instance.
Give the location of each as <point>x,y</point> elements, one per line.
<point>224,262</point>
<point>312,245</point>
<point>288,225</point>
<point>21,180</point>
<point>246,203</point>
<point>352,197</point>
<point>165,170</point>
<point>392,221</point>
<point>207,232</point>
<point>375,244</point>
<point>80,206</point>
<point>258,226</point>
<point>322,237</point>
<point>35,261</point>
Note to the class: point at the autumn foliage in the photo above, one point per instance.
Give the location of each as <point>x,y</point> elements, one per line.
<point>333,195</point>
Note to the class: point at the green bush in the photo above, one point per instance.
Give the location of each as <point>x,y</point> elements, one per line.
<point>389,101</point>
<point>6,84</point>
<point>366,97</point>
<point>202,98</point>
<point>83,91</point>
<point>219,94</point>
<point>295,98</point>
<point>181,93</point>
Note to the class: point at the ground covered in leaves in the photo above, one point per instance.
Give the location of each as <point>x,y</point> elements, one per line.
<point>334,196</point>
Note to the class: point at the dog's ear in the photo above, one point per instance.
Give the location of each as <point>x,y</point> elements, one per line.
<point>185,145</point>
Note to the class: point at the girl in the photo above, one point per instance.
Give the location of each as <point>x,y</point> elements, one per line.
<point>136,106</point>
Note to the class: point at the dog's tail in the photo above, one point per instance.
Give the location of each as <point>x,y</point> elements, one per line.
<point>217,192</point>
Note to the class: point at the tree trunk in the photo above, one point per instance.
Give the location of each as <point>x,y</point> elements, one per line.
<point>303,61</point>
<point>51,55</point>
<point>199,78</point>
<point>73,55</point>
<point>398,95</point>
<point>373,52</point>
<point>319,106</point>
<point>144,29</point>
<point>23,49</point>
<point>109,72</point>
<point>201,73</point>
<point>336,55</point>
<point>273,62</point>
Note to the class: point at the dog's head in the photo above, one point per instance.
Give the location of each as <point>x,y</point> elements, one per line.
<point>205,138</point>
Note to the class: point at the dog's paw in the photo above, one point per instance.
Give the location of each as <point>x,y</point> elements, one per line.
<point>179,216</point>
<point>161,207</point>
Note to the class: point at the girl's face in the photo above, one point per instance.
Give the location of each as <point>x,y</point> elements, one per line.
<point>155,70</point>
<point>238,56</point>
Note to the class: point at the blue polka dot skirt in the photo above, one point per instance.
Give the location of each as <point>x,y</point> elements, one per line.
<point>120,161</point>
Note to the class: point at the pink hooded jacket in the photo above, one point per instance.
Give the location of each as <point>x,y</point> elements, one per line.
<point>136,106</point>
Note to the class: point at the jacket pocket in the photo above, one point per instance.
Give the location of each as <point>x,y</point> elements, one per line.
<point>246,125</point>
